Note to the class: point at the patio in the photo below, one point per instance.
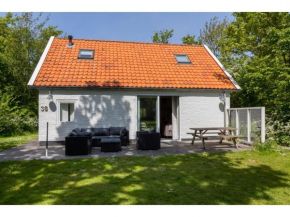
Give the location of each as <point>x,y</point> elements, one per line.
<point>31,150</point>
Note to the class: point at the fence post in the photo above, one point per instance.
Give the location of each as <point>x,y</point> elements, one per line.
<point>249,125</point>
<point>237,122</point>
<point>263,117</point>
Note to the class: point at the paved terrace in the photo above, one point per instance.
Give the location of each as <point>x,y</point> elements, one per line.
<point>31,150</point>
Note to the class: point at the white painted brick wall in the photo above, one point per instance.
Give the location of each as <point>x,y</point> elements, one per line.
<point>203,109</point>
<point>95,108</point>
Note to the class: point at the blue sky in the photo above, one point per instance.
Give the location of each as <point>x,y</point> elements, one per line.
<point>137,27</point>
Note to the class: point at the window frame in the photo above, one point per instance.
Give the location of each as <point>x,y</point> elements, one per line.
<point>86,58</point>
<point>182,63</point>
<point>59,110</point>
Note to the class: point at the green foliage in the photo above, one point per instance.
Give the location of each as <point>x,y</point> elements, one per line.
<point>162,36</point>
<point>256,49</point>
<point>268,147</point>
<point>23,38</point>
<point>190,40</point>
<point>212,33</point>
<point>277,129</point>
<point>14,119</point>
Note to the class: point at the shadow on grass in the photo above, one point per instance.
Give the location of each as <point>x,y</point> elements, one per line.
<point>185,179</point>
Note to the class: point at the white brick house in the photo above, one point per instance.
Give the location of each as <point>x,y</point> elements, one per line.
<point>92,83</point>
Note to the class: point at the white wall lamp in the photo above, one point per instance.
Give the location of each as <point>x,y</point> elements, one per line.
<point>49,97</point>
<point>222,97</point>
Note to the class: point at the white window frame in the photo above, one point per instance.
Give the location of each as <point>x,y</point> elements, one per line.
<point>86,58</point>
<point>58,110</point>
<point>176,55</point>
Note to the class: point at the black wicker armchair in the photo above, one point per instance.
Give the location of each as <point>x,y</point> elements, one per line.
<point>148,141</point>
<point>77,145</point>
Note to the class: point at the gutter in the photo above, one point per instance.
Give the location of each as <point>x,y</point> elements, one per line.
<point>129,88</point>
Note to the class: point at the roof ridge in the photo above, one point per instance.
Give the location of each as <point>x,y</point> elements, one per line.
<point>135,42</point>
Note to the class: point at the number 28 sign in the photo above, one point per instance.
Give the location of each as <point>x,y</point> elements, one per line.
<point>44,109</point>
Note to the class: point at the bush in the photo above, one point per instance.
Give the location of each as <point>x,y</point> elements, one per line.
<point>13,119</point>
<point>278,129</point>
<point>269,146</point>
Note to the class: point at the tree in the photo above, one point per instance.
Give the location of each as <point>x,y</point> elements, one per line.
<point>23,43</point>
<point>266,46</point>
<point>261,42</point>
<point>190,40</point>
<point>162,36</point>
<point>256,34</point>
<point>212,33</point>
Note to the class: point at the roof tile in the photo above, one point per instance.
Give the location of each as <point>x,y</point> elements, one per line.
<point>130,64</point>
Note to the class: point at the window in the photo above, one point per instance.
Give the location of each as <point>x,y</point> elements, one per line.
<point>182,58</point>
<point>86,54</point>
<point>67,112</point>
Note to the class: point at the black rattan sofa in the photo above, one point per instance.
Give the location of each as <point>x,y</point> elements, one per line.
<point>148,140</point>
<point>80,141</point>
<point>117,132</point>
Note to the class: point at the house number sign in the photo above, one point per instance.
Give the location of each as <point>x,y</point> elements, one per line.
<point>44,108</point>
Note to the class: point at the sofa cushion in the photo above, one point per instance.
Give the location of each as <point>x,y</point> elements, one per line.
<point>73,133</point>
<point>115,131</point>
<point>100,137</point>
<point>90,130</point>
<point>84,133</point>
<point>123,132</point>
<point>101,132</point>
<point>76,130</point>
<point>110,140</point>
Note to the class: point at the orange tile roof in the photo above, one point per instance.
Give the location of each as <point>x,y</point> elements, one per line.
<point>130,65</point>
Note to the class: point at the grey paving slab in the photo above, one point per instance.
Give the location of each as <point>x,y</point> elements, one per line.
<point>31,150</point>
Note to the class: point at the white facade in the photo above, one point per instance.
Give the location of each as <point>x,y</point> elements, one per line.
<point>105,108</point>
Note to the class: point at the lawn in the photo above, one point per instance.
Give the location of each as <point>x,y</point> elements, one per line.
<point>12,141</point>
<point>244,177</point>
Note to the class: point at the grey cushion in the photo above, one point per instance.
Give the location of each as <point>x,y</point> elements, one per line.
<point>123,132</point>
<point>111,140</point>
<point>101,132</point>
<point>87,130</point>
<point>100,137</point>
<point>73,133</point>
<point>114,131</point>
<point>84,133</point>
<point>76,130</point>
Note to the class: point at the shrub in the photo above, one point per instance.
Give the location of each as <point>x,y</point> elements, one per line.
<point>278,129</point>
<point>14,119</point>
<point>267,147</point>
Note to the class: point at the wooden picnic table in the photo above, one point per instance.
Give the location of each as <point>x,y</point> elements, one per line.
<point>222,134</point>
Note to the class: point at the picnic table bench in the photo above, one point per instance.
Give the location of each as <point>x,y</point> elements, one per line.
<point>219,132</point>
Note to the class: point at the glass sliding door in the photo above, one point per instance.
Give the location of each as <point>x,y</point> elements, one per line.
<point>147,113</point>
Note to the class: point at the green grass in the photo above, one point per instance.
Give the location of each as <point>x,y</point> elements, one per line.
<point>7,142</point>
<point>219,178</point>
